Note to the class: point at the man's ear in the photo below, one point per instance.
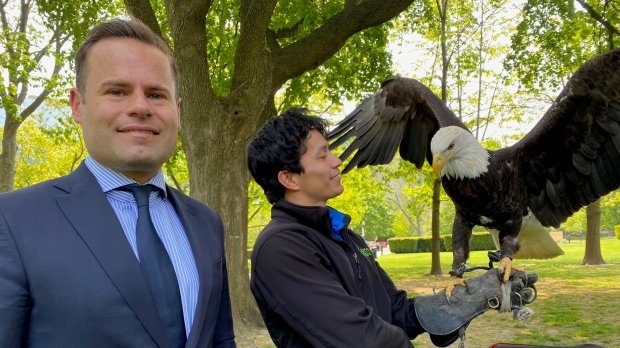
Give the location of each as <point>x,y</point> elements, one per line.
<point>287,179</point>
<point>75,100</point>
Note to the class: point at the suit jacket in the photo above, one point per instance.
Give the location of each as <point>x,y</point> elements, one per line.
<point>68,276</point>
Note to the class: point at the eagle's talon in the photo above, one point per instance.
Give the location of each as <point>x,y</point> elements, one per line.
<point>454,281</point>
<point>506,266</point>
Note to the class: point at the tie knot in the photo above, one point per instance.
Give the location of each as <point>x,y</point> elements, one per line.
<point>140,193</point>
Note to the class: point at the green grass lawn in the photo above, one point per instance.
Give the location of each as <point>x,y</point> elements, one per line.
<point>576,304</point>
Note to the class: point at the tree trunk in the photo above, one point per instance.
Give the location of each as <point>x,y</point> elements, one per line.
<point>226,166</point>
<point>593,254</point>
<point>442,7</point>
<point>219,178</point>
<point>418,226</point>
<point>436,246</point>
<point>9,151</point>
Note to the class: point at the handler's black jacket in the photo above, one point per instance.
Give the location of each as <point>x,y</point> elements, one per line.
<point>314,290</point>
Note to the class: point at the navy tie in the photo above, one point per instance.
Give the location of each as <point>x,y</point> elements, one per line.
<point>157,267</point>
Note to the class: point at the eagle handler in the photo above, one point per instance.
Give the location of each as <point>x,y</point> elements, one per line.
<point>316,282</point>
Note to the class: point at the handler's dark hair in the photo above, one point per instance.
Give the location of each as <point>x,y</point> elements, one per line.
<point>120,29</point>
<point>279,146</point>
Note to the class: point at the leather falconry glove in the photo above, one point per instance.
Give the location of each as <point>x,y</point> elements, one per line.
<point>446,318</point>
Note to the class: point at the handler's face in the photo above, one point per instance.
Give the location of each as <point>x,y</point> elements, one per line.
<point>128,111</point>
<point>320,179</point>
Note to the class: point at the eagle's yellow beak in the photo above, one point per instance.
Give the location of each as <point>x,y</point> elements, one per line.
<point>437,164</point>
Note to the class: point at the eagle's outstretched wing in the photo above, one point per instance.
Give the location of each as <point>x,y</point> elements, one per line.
<point>572,156</point>
<point>404,114</point>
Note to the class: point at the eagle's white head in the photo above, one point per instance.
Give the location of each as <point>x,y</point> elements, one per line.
<point>457,153</point>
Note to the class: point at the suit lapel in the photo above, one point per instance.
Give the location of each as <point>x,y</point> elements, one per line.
<point>199,242</point>
<point>90,213</point>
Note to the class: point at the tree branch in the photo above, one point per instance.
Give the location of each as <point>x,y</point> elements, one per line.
<point>23,93</point>
<point>170,172</point>
<point>251,216</point>
<point>396,201</point>
<point>23,20</point>
<point>255,17</point>
<point>592,12</point>
<point>23,25</point>
<point>5,27</point>
<point>187,20</point>
<point>142,10</point>
<point>55,38</point>
<point>36,103</point>
<point>320,45</point>
<point>41,97</point>
<point>273,36</point>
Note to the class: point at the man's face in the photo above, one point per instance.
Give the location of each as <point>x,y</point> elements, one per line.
<point>128,111</point>
<point>320,179</point>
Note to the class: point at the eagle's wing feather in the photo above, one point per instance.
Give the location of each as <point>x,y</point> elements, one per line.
<point>404,114</point>
<point>571,157</point>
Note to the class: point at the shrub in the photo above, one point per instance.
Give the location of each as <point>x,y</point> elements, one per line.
<point>617,231</point>
<point>424,244</point>
<point>413,245</point>
<point>481,241</point>
<point>403,245</point>
<point>478,241</point>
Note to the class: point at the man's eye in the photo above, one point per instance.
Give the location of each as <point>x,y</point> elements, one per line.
<point>116,92</point>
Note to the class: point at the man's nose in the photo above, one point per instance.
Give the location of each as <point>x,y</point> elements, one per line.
<point>139,105</point>
<point>337,160</point>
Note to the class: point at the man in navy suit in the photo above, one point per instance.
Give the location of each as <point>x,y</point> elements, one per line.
<point>71,269</point>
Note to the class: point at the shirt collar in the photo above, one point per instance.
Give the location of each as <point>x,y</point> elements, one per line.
<point>338,220</point>
<point>109,179</point>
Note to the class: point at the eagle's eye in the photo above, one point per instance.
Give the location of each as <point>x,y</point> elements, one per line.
<point>451,146</point>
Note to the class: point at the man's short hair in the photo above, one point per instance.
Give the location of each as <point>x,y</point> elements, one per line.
<point>279,146</point>
<point>120,29</point>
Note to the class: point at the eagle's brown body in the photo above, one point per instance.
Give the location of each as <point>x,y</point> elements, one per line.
<point>493,201</point>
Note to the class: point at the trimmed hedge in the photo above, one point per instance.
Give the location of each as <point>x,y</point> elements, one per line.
<point>617,231</point>
<point>402,245</point>
<point>481,241</point>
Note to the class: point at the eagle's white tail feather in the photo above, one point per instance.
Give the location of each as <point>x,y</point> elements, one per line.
<point>535,241</point>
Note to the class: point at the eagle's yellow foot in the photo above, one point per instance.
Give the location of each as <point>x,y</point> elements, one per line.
<point>505,267</point>
<point>454,281</point>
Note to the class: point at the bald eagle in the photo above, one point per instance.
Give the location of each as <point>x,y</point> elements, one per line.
<point>568,160</point>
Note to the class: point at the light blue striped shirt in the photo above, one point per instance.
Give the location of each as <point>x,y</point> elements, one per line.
<point>166,222</point>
